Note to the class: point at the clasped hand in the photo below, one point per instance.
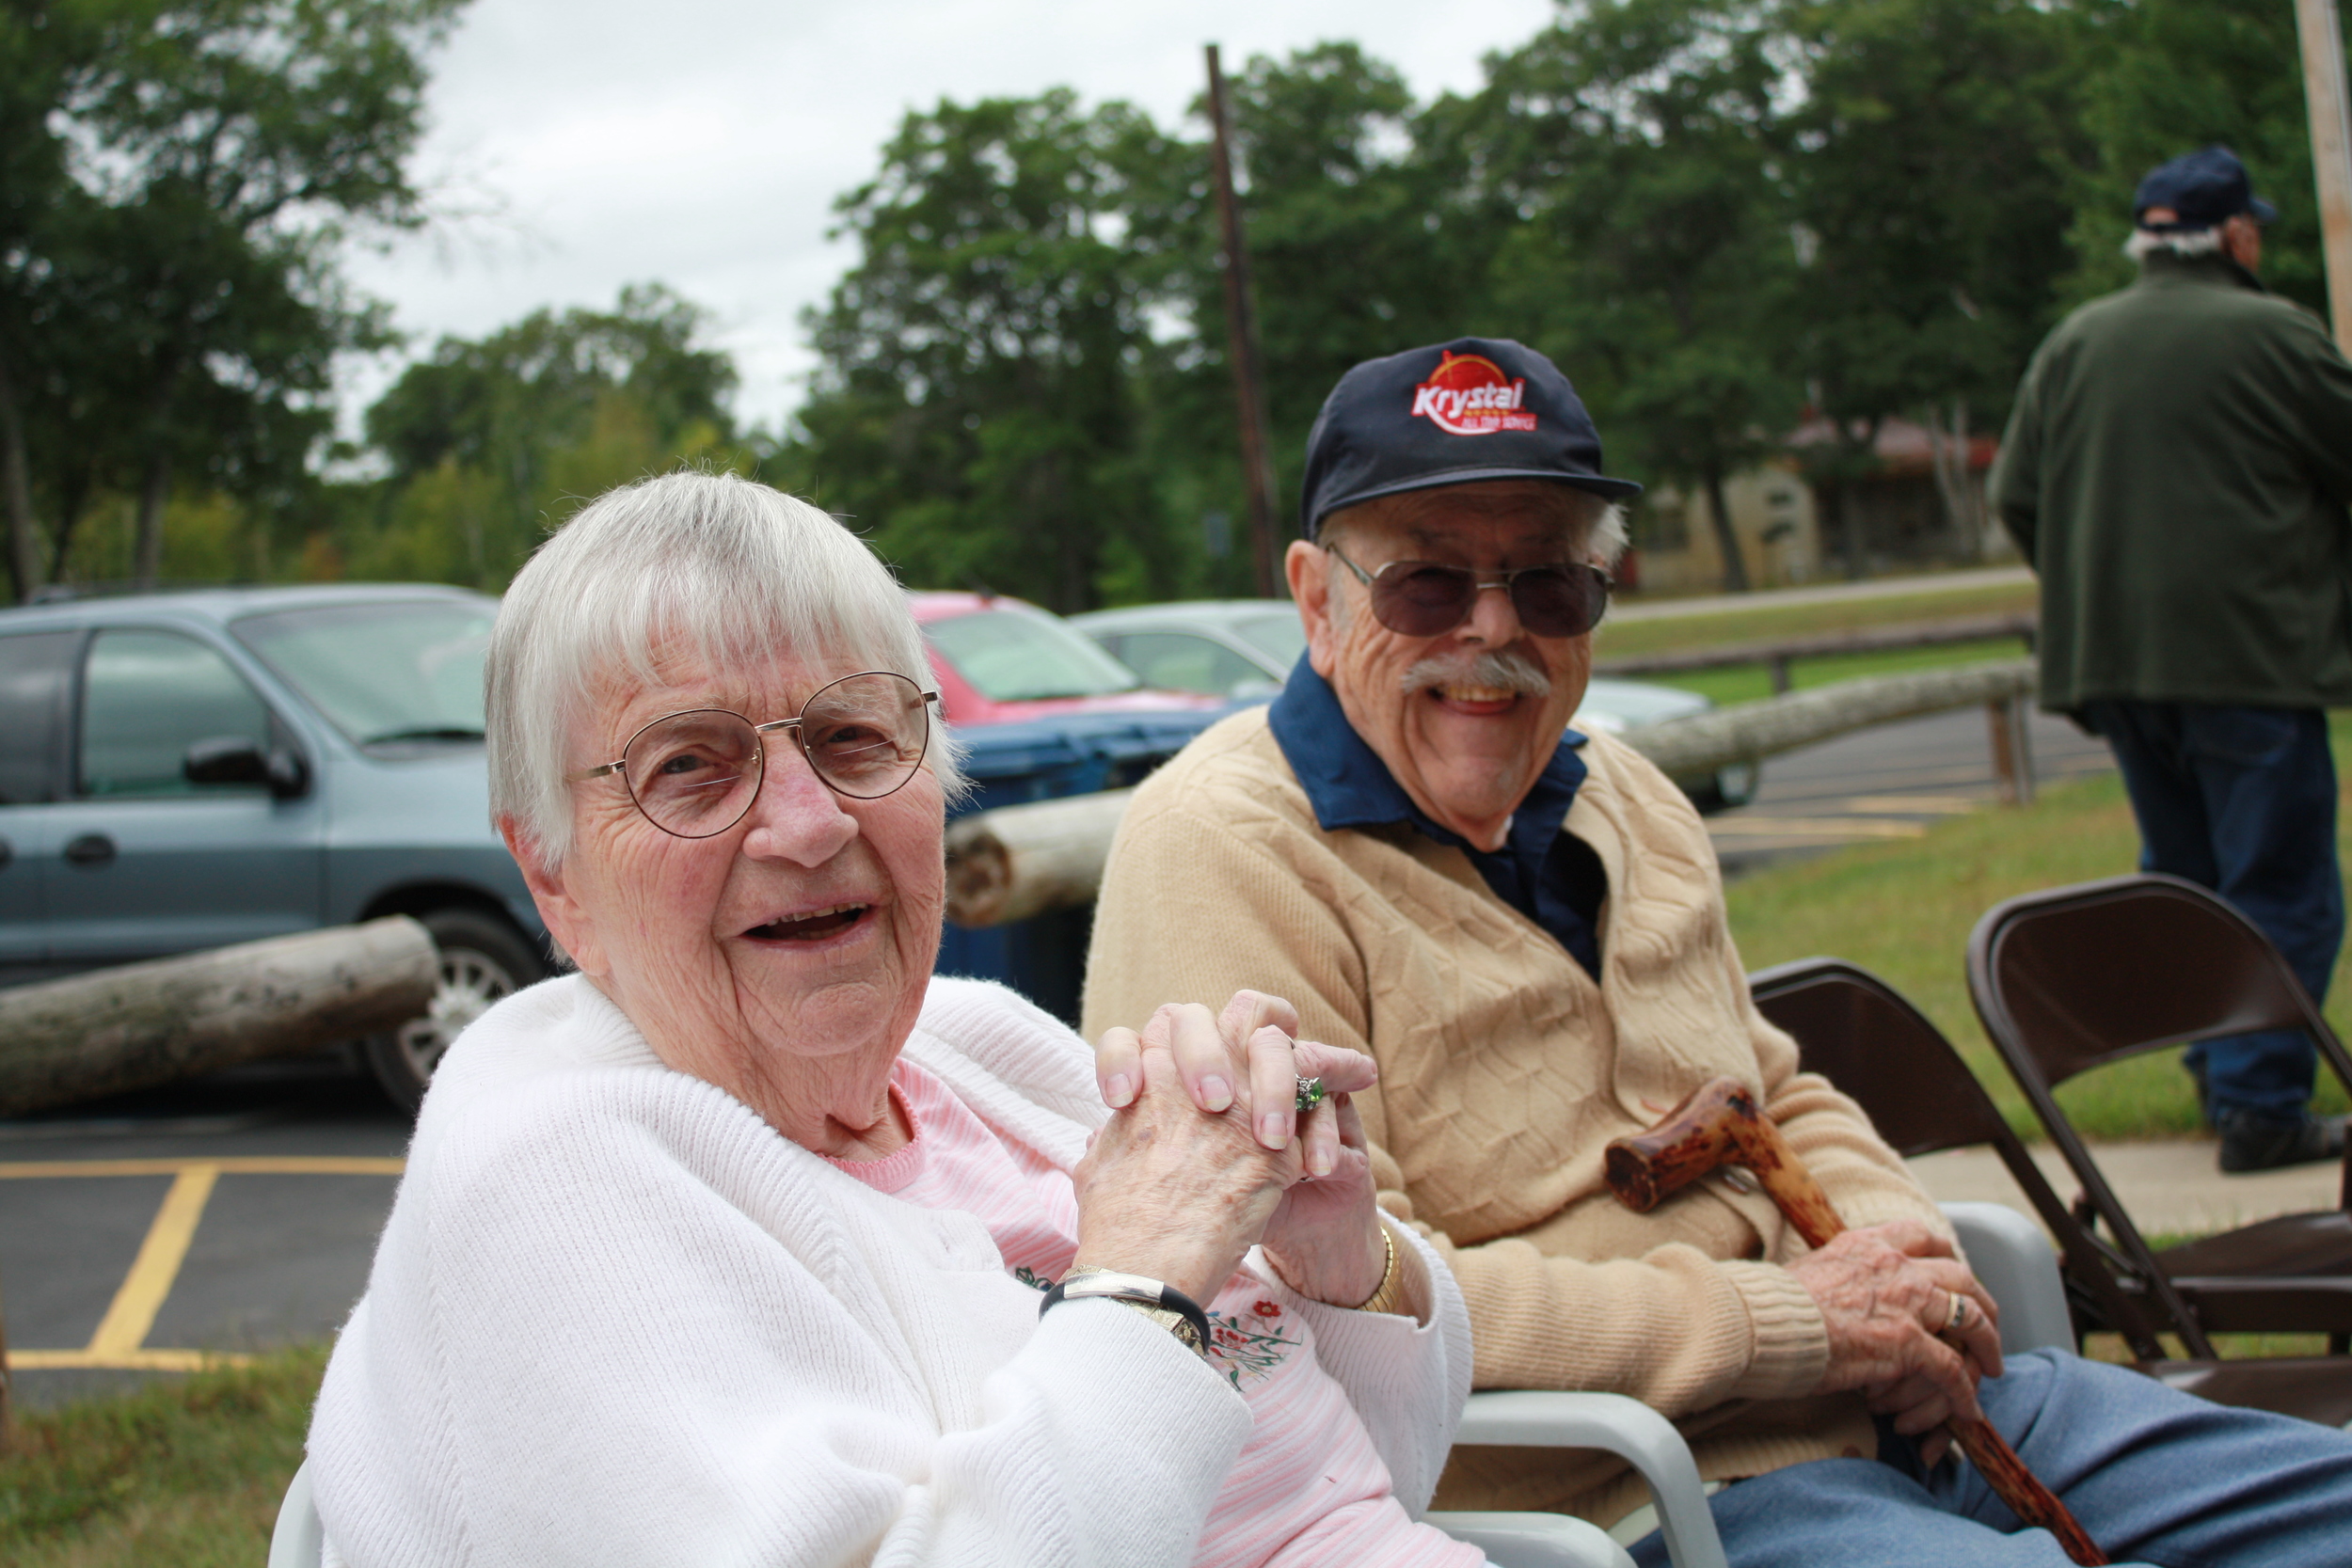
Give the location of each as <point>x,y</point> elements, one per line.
<point>1206,1155</point>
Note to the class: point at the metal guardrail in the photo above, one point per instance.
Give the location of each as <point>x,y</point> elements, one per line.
<point>1015,862</point>
<point>1780,654</point>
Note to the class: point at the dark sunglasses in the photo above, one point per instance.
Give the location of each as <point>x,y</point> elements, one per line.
<point>1422,598</point>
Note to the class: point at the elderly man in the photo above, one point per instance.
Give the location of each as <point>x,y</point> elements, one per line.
<point>2176,470</point>
<point>1525,928</point>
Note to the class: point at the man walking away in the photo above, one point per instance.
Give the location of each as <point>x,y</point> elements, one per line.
<point>2177,469</point>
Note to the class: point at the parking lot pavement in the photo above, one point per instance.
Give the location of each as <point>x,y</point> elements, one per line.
<point>1891,782</point>
<point>146,1235</point>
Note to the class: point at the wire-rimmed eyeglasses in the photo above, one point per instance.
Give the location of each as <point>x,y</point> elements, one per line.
<point>695,774</point>
<point>1427,598</point>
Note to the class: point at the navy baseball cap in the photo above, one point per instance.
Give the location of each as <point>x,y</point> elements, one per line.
<point>1454,413</point>
<point>2205,187</point>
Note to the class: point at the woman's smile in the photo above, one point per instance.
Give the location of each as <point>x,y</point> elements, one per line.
<point>816,926</point>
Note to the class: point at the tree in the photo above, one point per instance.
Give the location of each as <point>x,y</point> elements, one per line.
<point>485,438</point>
<point>1928,160</point>
<point>1652,255</point>
<point>169,287</point>
<point>975,405</point>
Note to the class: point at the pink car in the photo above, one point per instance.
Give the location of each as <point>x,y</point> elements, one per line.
<point>1000,661</point>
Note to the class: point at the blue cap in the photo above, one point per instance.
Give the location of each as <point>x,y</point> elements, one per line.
<point>2205,188</point>
<point>1476,408</point>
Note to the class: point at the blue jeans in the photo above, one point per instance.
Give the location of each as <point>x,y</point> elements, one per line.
<point>2155,1476</point>
<point>2242,800</point>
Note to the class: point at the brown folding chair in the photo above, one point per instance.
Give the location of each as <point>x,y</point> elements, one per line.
<point>1865,1038</point>
<point>2079,977</point>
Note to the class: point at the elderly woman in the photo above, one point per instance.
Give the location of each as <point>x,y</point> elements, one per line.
<point>741,1245</point>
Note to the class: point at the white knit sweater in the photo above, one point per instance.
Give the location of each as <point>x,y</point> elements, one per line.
<point>617,1319</point>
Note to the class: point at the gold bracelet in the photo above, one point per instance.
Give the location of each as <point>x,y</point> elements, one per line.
<point>1389,1294</point>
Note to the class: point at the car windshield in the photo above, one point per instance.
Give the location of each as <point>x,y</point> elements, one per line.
<point>1014,656</point>
<point>1277,634</point>
<point>381,673</point>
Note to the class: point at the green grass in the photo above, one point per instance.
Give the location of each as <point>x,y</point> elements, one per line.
<point>185,1471</point>
<point>1903,908</point>
<point>1745,683</point>
<point>1621,638</point>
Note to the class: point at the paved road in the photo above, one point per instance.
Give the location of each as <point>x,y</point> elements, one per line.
<point>1893,781</point>
<point>227,1216</point>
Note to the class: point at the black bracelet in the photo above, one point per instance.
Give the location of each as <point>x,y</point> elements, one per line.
<point>1141,1291</point>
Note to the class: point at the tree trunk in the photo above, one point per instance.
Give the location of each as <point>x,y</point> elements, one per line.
<point>73,500</point>
<point>155,489</point>
<point>1947,448</point>
<point>143,1024</point>
<point>16,492</point>
<point>1728,540</point>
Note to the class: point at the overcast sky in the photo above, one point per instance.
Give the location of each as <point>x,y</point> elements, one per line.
<point>578,144</point>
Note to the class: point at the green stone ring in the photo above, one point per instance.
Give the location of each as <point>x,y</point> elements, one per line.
<point>1310,1094</point>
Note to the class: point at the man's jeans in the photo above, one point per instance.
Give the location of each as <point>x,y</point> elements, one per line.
<point>2242,800</point>
<point>2156,1477</point>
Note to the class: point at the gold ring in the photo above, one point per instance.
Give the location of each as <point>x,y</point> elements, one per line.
<point>1959,1318</point>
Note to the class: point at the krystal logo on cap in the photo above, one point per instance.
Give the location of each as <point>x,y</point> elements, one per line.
<point>1468,394</point>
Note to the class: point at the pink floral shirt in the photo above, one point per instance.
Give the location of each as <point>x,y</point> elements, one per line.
<point>1308,1487</point>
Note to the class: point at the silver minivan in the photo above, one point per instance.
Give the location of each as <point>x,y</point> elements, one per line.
<point>184,771</point>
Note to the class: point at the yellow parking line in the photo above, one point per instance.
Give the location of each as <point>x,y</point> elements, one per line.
<point>252,1165</point>
<point>1814,826</point>
<point>119,1344</point>
<point>124,1327</point>
<point>128,1361</point>
<point>1918,805</point>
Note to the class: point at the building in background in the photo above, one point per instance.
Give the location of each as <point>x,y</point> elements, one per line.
<point>1920,502</point>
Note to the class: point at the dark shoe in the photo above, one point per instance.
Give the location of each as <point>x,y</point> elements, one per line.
<point>2248,1143</point>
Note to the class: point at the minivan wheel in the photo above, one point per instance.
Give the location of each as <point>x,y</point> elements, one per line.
<point>483,959</point>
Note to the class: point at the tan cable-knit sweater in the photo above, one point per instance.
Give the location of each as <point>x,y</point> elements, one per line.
<point>1504,1070</point>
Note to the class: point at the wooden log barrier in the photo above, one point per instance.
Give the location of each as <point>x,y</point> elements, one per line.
<point>143,1024</point>
<point>1748,732</point>
<point>1015,862</point>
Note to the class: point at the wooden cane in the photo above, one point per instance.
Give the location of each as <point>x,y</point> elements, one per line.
<point>1720,1125</point>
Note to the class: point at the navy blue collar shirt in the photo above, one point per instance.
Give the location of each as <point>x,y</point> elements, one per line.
<point>1543,871</point>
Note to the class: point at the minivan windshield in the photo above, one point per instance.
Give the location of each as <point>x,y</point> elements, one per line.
<point>405,670</point>
<point>1013,656</point>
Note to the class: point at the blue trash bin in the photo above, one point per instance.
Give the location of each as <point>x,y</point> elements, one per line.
<point>1044,957</point>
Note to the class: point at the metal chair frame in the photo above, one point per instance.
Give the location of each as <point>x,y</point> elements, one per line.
<point>1871,1042</point>
<point>2078,977</point>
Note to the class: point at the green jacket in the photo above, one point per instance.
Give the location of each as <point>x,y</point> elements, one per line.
<point>2176,470</point>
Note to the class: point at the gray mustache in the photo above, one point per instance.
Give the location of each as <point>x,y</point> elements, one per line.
<point>1508,669</point>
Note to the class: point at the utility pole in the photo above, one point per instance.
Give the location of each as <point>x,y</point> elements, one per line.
<point>1241,352</point>
<point>2331,151</point>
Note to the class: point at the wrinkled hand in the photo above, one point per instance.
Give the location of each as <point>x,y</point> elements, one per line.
<point>1167,1191</point>
<point>1886,1292</point>
<point>1323,1237</point>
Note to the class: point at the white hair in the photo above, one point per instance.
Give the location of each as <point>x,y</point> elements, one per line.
<point>1604,535</point>
<point>1597,522</point>
<point>714,568</point>
<point>2145,243</point>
